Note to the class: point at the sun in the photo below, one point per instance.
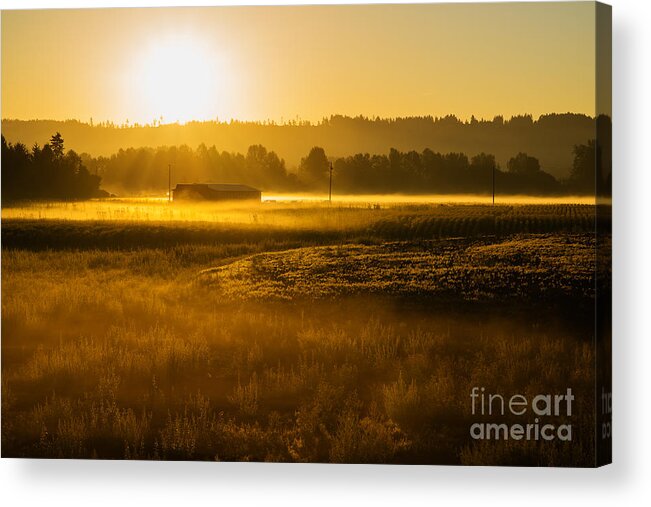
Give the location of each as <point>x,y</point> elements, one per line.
<point>178,79</point>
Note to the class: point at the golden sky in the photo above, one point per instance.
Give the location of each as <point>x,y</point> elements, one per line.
<point>257,63</point>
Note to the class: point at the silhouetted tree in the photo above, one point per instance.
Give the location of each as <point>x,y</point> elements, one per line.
<point>264,167</point>
<point>45,173</point>
<point>523,164</point>
<point>480,177</point>
<point>314,168</point>
<point>584,167</point>
<point>56,143</point>
<point>525,176</point>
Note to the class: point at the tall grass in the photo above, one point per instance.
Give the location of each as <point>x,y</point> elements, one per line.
<point>117,343</point>
<point>115,362</point>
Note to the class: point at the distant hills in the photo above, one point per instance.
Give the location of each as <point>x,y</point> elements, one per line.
<point>550,138</point>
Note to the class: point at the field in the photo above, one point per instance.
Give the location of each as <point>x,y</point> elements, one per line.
<point>291,331</point>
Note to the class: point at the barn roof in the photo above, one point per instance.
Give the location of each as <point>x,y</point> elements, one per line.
<point>221,187</point>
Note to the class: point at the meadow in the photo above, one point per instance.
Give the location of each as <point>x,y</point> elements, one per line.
<point>291,331</point>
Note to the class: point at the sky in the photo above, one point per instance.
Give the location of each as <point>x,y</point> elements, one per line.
<point>306,62</point>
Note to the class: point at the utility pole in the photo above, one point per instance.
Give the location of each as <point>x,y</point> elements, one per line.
<point>330,190</point>
<point>169,182</point>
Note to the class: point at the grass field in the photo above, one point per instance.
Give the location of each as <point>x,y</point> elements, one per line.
<point>292,332</point>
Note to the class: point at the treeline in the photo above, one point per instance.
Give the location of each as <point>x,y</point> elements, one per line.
<point>47,172</point>
<point>550,138</point>
<point>145,170</point>
<point>430,172</point>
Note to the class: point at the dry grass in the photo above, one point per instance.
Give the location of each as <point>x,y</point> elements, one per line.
<point>121,354</point>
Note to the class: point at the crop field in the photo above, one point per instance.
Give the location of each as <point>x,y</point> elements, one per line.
<point>291,331</point>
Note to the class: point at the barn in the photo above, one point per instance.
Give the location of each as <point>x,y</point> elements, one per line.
<point>215,192</point>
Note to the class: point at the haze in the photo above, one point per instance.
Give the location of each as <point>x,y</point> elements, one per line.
<point>307,62</point>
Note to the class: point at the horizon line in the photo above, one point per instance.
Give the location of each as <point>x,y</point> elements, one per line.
<point>300,121</point>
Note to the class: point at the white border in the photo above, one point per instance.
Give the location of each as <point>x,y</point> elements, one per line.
<point>627,482</point>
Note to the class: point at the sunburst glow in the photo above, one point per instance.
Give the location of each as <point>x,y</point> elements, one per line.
<point>179,80</point>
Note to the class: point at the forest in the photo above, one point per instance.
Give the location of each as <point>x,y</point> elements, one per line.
<point>550,138</point>
<point>49,172</point>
